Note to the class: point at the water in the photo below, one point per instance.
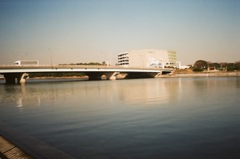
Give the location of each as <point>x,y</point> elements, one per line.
<point>128,119</point>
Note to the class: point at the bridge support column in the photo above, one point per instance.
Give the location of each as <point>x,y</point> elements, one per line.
<point>157,74</point>
<point>13,78</point>
<point>111,75</point>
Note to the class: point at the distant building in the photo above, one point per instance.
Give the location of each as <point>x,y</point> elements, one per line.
<point>147,58</point>
<point>179,66</point>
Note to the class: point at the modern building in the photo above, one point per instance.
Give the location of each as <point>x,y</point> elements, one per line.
<point>179,66</point>
<point>147,58</point>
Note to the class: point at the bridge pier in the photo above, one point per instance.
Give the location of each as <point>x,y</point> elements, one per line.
<point>98,75</point>
<point>111,75</point>
<point>157,74</point>
<point>13,78</point>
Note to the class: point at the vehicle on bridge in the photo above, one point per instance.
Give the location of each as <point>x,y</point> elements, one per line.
<point>27,63</point>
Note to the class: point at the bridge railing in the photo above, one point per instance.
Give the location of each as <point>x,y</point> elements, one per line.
<point>78,66</point>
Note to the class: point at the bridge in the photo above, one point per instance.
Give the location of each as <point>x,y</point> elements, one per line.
<point>19,74</point>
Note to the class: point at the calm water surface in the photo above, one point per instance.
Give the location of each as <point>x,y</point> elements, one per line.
<point>129,119</point>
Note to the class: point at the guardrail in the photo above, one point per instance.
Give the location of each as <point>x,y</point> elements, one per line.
<point>79,66</point>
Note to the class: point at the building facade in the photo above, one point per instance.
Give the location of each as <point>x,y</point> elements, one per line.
<point>147,58</point>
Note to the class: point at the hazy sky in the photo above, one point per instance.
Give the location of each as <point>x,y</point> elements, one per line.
<point>97,30</point>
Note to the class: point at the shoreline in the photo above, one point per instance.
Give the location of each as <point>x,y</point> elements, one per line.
<point>15,143</point>
<point>174,75</point>
<point>204,74</point>
<point>64,77</point>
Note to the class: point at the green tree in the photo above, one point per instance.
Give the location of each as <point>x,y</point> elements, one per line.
<point>232,67</point>
<point>216,65</point>
<point>200,65</point>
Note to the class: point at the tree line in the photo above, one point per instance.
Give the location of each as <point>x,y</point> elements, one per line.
<point>80,63</point>
<point>202,65</point>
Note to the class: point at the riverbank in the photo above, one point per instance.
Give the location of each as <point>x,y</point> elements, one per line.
<point>10,151</point>
<point>16,144</point>
<point>63,77</point>
<point>203,74</point>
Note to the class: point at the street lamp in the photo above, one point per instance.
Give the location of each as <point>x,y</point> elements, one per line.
<point>50,56</point>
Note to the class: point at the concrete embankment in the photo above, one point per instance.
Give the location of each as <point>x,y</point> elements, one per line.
<point>10,151</point>
<point>15,144</point>
<point>206,74</point>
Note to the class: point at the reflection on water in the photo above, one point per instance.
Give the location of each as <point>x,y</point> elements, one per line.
<point>142,92</point>
<point>144,118</point>
<point>21,95</point>
<point>131,92</point>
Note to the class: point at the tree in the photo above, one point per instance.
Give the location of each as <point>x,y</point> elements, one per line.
<point>238,65</point>
<point>233,66</point>
<point>200,65</point>
<point>215,65</point>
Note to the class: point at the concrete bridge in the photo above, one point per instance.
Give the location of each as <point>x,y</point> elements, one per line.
<point>19,74</point>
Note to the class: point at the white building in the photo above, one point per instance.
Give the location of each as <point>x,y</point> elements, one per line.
<point>179,66</point>
<point>147,58</point>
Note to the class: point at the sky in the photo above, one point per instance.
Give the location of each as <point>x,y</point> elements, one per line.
<point>63,31</point>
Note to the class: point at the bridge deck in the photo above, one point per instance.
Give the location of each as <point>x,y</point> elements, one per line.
<point>76,68</point>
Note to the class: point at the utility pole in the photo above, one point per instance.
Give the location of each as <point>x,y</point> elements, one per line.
<point>50,56</point>
<point>110,58</point>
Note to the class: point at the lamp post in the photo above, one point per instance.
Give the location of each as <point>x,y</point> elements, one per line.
<point>50,56</point>
<point>26,54</point>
